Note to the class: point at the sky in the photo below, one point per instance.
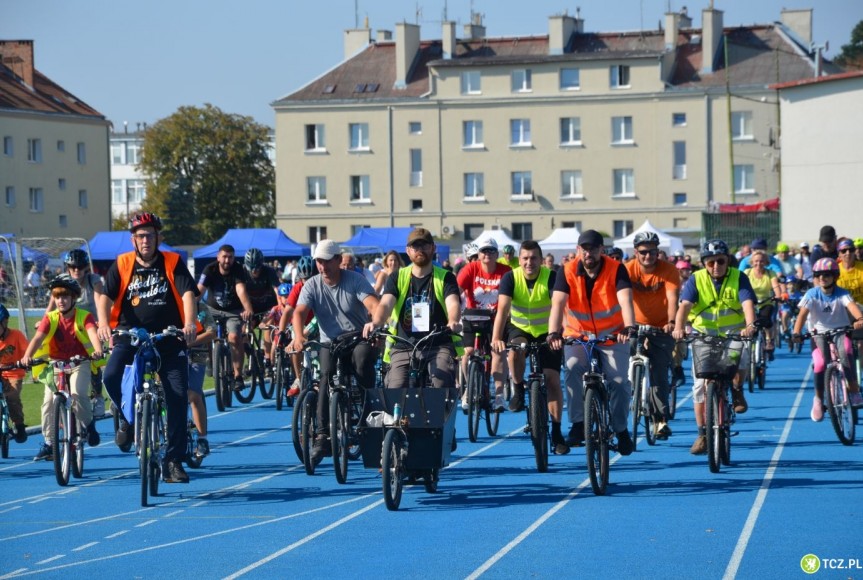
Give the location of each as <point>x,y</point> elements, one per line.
<point>138,61</point>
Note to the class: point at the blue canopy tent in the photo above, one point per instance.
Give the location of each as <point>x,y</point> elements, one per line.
<point>27,254</point>
<point>382,240</point>
<point>106,246</point>
<point>272,242</point>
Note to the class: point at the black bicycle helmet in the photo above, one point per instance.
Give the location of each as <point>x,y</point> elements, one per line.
<point>140,220</point>
<point>66,282</point>
<point>254,259</point>
<point>305,267</point>
<point>615,252</point>
<point>645,238</point>
<point>713,248</point>
<point>76,259</point>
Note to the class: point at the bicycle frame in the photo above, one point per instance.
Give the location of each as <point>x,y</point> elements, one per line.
<point>642,405</point>
<point>537,415</point>
<point>836,394</point>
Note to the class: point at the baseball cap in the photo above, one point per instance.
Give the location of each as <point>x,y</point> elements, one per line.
<point>804,245</point>
<point>486,244</point>
<point>590,238</point>
<point>420,235</point>
<point>759,244</point>
<point>827,234</point>
<point>326,249</point>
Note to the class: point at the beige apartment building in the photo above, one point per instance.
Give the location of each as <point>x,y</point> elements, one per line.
<point>54,159</point>
<point>528,134</point>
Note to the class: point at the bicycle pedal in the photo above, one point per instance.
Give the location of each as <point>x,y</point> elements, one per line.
<point>526,429</point>
<point>733,433</point>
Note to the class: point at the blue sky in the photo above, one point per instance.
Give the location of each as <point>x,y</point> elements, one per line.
<point>140,61</point>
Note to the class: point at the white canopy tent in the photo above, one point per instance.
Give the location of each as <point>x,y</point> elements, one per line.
<point>667,243</point>
<point>500,237</point>
<point>561,242</point>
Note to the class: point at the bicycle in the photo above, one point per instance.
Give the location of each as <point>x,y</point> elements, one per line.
<point>220,364</point>
<point>642,405</point>
<point>193,459</point>
<point>537,408</point>
<point>255,369</point>
<point>309,388</point>
<point>283,370</point>
<point>6,434</point>
<point>757,356</point>
<point>479,322</point>
<point>598,433</point>
<point>716,359</point>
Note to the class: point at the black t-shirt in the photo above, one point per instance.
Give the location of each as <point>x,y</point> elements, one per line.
<point>148,301</point>
<point>261,290</point>
<point>421,290</point>
<point>222,288</point>
<point>507,284</point>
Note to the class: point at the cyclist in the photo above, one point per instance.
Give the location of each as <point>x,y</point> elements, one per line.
<point>508,257</point>
<point>765,284</point>
<point>772,262</point>
<point>13,344</point>
<point>151,289</point>
<point>594,297</point>
<point>804,266</point>
<point>827,306</point>
<point>523,306</point>
<point>716,300</point>
<point>480,281</point>
<point>851,278</point>
<point>77,265</point>
<point>417,300</point>
<point>826,246</point>
<point>275,314</point>
<point>342,300</point>
<point>262,284</point>
<point>224,282</point>
<point>199,357</point>
<point>655,289</point>
<point>305,269</point>
<point>786,262</point>
<point>615,253</point>
<point>62,334</point>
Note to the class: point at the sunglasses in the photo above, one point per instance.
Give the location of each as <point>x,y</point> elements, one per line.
<point>420,245</point>
<point>846,251</point>
<point>648,252</point>
<point>488,251</point>
<point>824,275</point>
<point>715,262</point>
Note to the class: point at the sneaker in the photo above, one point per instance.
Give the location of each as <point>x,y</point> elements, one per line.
<point>98,403</point>
<point>677,377</point>
<point>739,401</point>
<point>268,368</point>
<point>770,356</point>
<point>174,472</point>
<point>575,438</point>
<point>624,443</point>
<point>558,445</point>
<point>321,449</point>
<point>45,453</point>
<point>855,399</point>
<point>93,438</point>
<point>295,388</point>
<point>239,383</point>
<point>817,412</point>
<point>122,438</point>
<point>499,404</point>
<point>203,448</point>
<point>661,430</point>
<point>20,433</point>
<point>516,403</point>
<point>699,447</point>
<point>465,406</point>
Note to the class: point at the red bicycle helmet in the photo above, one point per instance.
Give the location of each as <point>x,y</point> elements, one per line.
<point>140,220</point>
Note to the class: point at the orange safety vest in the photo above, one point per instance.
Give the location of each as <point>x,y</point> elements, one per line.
<point>600,315</point>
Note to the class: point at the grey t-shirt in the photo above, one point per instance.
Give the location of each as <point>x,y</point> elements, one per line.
<point>340,308</point>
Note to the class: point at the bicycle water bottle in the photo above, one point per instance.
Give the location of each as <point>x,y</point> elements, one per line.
<point>397,413</point>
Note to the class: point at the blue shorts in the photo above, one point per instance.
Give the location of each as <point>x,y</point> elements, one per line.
<point>197,372</point>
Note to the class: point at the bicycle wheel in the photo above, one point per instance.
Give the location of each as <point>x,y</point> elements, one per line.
<point>838,407</point>
<point>339,429</point>
<point>492,420</point>
<point>713,427</point>
<point>267,387</point>
<point>672,396</point>
<point>193,460</point>
<point>144,451</point>
<point>753,365</point>
<point>157,447</point>
<point>218,376</point>
<point>392,469</point>
<point>256,377</point>
<point>474,398</point>
<point>355,411</point>
<point>725,432</point>
<point>310,425</point>
<point>60,446</point>
<point>76,439</point>
<point>637,382</point>
<point>539,425</point>
<point>762,377</point>
<point>297,426</point>
<point>595,441</point>
<point>280,379</point>
<point>4,440</point>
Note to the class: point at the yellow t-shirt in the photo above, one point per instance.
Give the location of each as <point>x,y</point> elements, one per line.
<point>763,287</point>
<point>852,280</point>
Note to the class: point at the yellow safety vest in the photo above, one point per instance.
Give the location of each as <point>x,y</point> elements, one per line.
<point>530,309</point>
<point>39,371</point>
<point>717,314</point>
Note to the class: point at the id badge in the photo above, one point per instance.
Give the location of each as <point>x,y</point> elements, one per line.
<point>420,320</point>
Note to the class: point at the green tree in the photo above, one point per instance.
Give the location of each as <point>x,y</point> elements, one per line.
<point>209,171</point>
<point>852,53</point>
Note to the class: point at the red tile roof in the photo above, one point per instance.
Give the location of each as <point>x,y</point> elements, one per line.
<point>44,97</point>
<point>815,80</point>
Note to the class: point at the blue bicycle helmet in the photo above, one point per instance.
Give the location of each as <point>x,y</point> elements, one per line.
<point>714,248</point>
<point>285,289</point>
<point>305,267</point>
<point>4,313</point>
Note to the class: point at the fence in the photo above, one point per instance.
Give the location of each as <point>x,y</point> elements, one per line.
<point>737,229</point>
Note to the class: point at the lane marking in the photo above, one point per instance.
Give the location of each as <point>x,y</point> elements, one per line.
<point>116,534</point>
<point>60,492</point>
<point>147,523</point>
<point>84,547</point>
<point>51,559</point>
<point>11,509</point>
<point>749,526</point>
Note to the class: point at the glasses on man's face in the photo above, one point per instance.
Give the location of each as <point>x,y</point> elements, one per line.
<point>589,249</point>
<point>488,251</point>
<point>715,262</point>
<point>420,246</point>
<point>648,252</point>
<point>846,251</point>
<point>142,237</point>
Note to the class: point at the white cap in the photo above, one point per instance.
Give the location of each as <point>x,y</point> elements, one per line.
<point>486,243</point>
<point>326,249</point>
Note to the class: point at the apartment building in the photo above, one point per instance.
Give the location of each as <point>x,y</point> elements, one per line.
<point>128,184</point>
<point>527,134</point>
<point>53,165</point>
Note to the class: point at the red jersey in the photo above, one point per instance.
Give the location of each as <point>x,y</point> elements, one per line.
<point>12,348</point>
<point>65,344</point>
<point>294,296</point>
<point>480,287</point>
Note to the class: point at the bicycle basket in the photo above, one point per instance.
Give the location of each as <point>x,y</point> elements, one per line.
<point>477,320</point>
<point>715,357</point>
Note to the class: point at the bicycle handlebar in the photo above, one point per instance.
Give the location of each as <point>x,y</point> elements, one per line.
<point>140,335</point>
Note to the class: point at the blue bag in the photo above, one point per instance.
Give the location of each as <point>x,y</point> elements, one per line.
<point>133,374</point>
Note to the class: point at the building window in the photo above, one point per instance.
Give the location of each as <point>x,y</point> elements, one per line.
<point>521,183</point>
<point>624,183</point>
<point>37,201</point>
<point>621,130</point>
<point>360,188</point>
<point>61,184</point>
<point>679,169</point>
<point>520,80</point>
<point>570,185</point>
<point>678,119</point>
<point>359,136</point>
<point>34,150</point>
<point>622,228</point>
<point>61,146</point>
<point>570,131</point>
<point>317,233</point>
<point>680,223</point>
<point>472,134</point>
<point>317,189</point>
<point>416,205</point>
<point>472,231</point>
<point>118,192</point>
<point>416,167</point>
<point>473,186</point>
<point>8,146</point>
<point>82,153</point>
<point>415,128</point>
<point>522,231</point>
<point>117,154</point>
<point>470,83</point>
<point>744,179</point>
<point>63,222</point>
<point>136,190</point>
<point>679,199</point>
<point>133,153</point>
<point>741,125</point>
<point>569,79</point>
<point>315,138</point>
<point>10,196</point>
<point>82,198</point>
<point>619,76</point>
<point>519,132</point>
<point>576,225</point>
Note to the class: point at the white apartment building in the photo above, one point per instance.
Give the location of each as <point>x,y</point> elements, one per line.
<point>128,184</point>
<point>527,134</point>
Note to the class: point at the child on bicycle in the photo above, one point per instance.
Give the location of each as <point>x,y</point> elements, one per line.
<point>827,307</point>
<point>199,356</point>
<point>61,335</point>
<point>13,344</point>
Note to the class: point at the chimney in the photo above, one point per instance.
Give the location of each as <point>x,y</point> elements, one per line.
<point>560,30</point>
<point>685,20</point>
<point>475,30</point>
<point>17,56</point>
<point>407,48</point>
<point>672,23</point>
<point>800,23</point>
<point>448,40</point>
<point>384,36</point>
<point>356,39</point>
<point>711,38</point>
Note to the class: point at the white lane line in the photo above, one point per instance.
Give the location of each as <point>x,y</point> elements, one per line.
<point>11,509</point>
<point>13,573</point>
<point>116,534</point>
<point>172,514</point>
<point>51,559</point>
<point>84,547</point>
<point>147,523</point>
<point>41,499</point>
<point>16,466</point>
<point>305,540</point>
<point>749,526</point>
<point>61,492</point>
